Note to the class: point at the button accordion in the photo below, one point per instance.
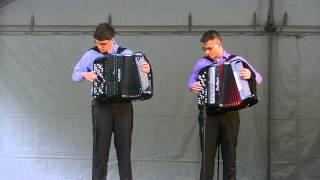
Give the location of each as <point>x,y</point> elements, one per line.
<point>224,89</point>
<point>120,78</point>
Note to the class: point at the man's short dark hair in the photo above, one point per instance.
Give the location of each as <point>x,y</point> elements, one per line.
<point>104,31</point>
<point>210,35</point>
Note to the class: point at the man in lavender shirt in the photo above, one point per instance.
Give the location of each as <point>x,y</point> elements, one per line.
<point>221,128</point>
<point>113,116</point>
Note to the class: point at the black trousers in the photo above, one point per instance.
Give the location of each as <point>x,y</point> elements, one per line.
<point>221,129</point>
<point>108,118</point>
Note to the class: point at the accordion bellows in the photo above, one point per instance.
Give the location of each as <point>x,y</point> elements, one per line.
<point>120,78</point>
<point>224,89</point>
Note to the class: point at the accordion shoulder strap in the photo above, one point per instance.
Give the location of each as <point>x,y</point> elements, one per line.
<point>120,50</point>
<point>95,48</point>
<point>231,57</point>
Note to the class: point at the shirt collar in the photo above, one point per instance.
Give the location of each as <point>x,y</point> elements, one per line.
<point>224,57</point>
<point>115,47</point>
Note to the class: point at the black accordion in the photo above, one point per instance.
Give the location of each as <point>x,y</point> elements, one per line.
<point>120,78</point>
<point>224,89</point>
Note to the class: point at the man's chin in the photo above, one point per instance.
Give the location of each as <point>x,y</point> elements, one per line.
<point>103,51</point>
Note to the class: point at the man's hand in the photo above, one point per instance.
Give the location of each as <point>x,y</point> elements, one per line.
<point>145,67</point>
<point>245,73</point>
<point>196,87</point>
<point>90,76</point>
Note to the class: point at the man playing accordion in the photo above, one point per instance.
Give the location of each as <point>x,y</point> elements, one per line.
<point>108,117</point>
<point>223,127</point>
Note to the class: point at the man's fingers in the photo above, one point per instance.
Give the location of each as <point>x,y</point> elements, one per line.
<point>196,88</point>
<point>145,68</point>
<point>90,76</point>
<point>245,73</point>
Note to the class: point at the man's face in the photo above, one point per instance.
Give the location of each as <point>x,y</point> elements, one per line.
<point>212,48</point>
<point>105,45</point>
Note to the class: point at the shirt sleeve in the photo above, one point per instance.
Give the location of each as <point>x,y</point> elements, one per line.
<point>194,76</point>
<point>81,67</point>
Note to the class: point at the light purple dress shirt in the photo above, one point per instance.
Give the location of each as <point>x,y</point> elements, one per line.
<point>203,62</point>
<point>86,62</point>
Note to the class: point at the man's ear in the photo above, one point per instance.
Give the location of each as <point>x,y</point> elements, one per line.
<point>217,44</point>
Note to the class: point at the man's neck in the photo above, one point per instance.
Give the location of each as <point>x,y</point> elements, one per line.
<point>220,55</point>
